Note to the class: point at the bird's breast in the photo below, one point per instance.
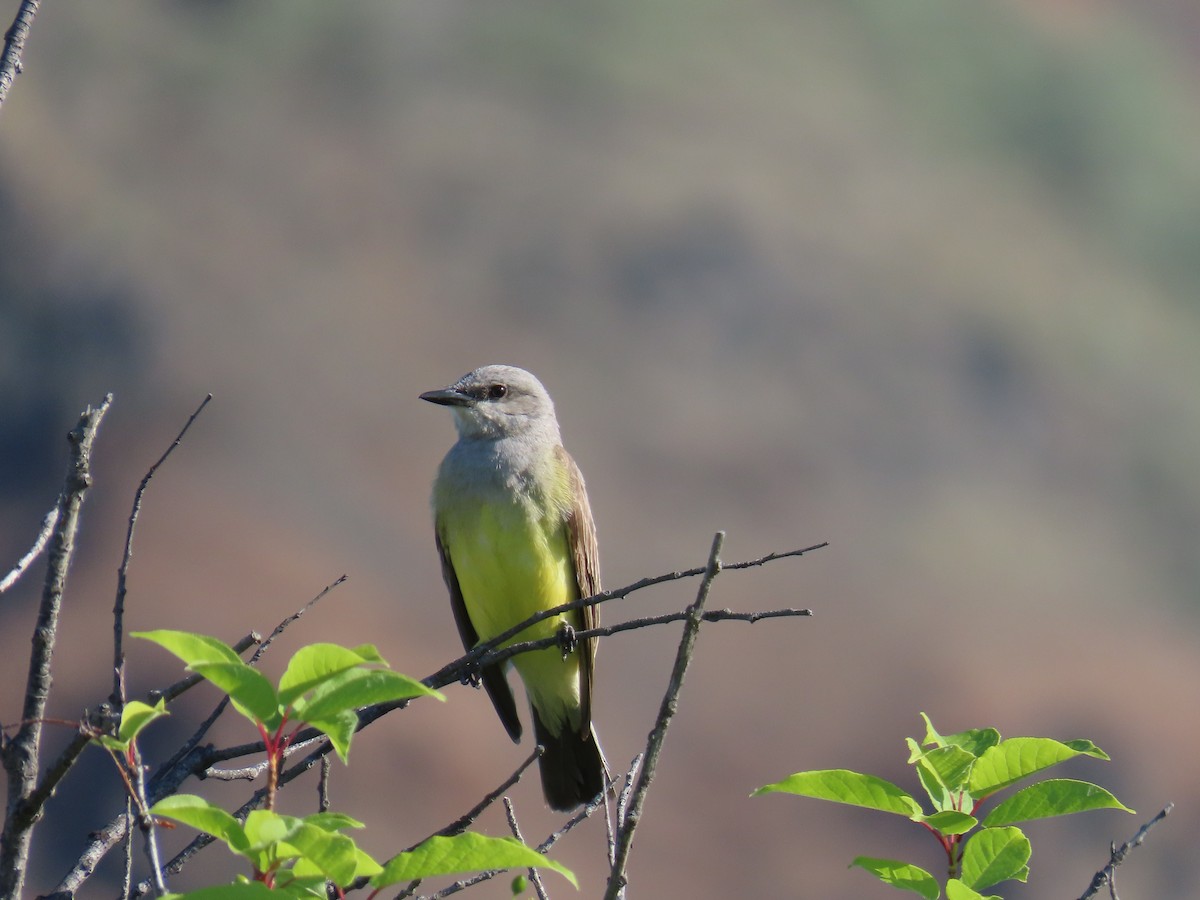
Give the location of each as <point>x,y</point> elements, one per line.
<point>510,557</point>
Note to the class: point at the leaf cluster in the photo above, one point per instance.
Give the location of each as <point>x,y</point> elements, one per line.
<point>322,687</point>
<point>297,857</point>
<point>959,773</point>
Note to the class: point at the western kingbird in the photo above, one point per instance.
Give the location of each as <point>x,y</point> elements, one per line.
<point>515,534</point>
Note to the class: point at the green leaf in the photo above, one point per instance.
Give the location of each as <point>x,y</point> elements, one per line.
<point>949,767</point>
<point>191,648</point>
<point>204,816</point>
<point>367,867</point>
<point>265,828</point>
<point>994,855</point>
<point>844,786</point>
<point>467,852</point>
<point>355,688</point>
<point>902,875</point>
<point>249,690</point>
<point>310,883</point>
<point>938,795</point>
<point>975,741</point>
<point>1054,797</point>
<point>956,890</point>
<point>949,821</point>
<point>316,663</point>
<point>249,890</point>
<point>1087,747</point>
<point>332,821</point>
<point>370,654</point>
<point>1017,758</point>
<point>252,695</point>
<point>137,715</point>
<point>339,729</point>
<point>334,855</point>
<point>107,740</point>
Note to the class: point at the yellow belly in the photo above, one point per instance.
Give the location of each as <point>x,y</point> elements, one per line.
<point>510,565</point>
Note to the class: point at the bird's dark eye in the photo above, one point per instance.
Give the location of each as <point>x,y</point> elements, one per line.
<point>496,391</point>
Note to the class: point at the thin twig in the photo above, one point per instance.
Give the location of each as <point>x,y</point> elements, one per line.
<point>14,46</point>
<point>55,771</point>
<point>567,827</point>
<point>20,755</point>
<point>323,785</point>
<point>623,801</point>
<point>535,877</point>
<point>453,672</point>
<point>223,703</point>
<point>146,822</point>
<point>463,822</point>
<point>127,846</point>
<point>35,551</point>
<point>583,814</point>
<point>117,698</point>
<point>618,879</point>
<point>1107,875</point>
<point>283,626</point>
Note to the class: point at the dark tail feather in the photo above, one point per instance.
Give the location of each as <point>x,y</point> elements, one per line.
<point>572,768</point>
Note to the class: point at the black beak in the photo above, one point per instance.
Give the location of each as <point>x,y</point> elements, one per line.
<point>447,397</point>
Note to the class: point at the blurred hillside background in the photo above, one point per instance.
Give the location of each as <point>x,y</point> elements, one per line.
<point>917,278</point>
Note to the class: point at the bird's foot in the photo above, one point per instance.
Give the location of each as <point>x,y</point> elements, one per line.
<point>567,640</point>
<point>473,676</point>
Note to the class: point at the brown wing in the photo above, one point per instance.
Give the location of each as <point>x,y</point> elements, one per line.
<point>581,534</point>
<point>494,681</point>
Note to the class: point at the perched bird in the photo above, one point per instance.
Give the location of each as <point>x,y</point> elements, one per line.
<point>515,534</point>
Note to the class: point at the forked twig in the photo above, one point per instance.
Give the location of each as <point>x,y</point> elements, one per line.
<point>1117,856</point>
<point>117,698</point>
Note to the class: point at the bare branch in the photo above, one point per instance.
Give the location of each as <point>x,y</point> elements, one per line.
<point>14,46</point>
<point>146,822</point>
<point>35,551</point>
<point>1107,875</point>
<point>283,626</point>
<point>127,845</point>
<point>245,773</point>
<point>462,823</point>
<point>628,825</point>
<point>535,877</point>
<point>323,784</point>
<point>486,652</point>
<point>117,698</point>
<point>623,802</point>
<point>55,772</point>
<point>585,813</point>
<point>20,755</point>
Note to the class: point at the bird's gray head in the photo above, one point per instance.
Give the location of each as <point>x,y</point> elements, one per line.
<point>498,401</point>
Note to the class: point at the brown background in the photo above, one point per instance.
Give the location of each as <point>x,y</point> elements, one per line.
<point>917,279</point>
